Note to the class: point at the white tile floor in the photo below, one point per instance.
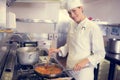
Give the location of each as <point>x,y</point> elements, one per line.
<point>104,70</point>
<point>117,76</point>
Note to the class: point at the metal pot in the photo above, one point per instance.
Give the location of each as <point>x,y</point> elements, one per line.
<point>27,55</point>
<point>114,45</point>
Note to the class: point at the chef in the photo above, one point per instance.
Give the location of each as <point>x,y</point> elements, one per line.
<point>84,45</point>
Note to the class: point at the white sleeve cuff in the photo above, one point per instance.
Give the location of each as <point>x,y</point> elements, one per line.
<point>60,53</point>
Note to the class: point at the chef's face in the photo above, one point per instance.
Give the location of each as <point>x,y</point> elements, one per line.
<point>76,14</point>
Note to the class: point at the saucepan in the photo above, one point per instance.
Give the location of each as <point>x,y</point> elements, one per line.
<point>114,45</point>
<point>27,55</point>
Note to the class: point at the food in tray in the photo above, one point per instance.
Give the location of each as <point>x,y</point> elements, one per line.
<point>49,69</point>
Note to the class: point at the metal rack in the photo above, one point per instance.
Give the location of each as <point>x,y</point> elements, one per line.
<point>37,21</point>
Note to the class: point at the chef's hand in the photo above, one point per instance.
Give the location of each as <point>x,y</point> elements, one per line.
<point>53,51</point>
<point>81,64</point>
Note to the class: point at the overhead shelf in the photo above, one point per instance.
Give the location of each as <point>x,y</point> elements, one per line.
<point>107,23</point>
<point>11,2</point>
<point>35,21</point>
<point>40,26</point>
<point>37,0</point>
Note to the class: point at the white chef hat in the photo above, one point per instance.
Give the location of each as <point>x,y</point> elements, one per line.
<point>70,4</point>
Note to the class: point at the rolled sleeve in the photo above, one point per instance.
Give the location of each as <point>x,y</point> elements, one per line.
<point>63,51</point>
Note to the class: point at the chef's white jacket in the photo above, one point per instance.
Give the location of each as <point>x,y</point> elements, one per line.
<point>84,40</point>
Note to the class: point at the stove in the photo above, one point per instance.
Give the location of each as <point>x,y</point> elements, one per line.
<point>26,72</point>
<point>17,71</point>
<point>13,70</point>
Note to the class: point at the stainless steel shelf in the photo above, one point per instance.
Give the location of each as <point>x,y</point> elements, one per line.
<point>107,23</point>
<point>11,2</point>
<point>35,21</point>
<point>37,0</point>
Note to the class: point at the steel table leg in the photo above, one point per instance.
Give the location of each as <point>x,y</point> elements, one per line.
<point>111,71</point>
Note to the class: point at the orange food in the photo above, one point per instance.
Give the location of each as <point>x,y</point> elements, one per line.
<point>50,69</point>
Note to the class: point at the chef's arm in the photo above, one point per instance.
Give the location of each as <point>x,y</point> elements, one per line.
<point>97,47</point>
<point>62,51</point>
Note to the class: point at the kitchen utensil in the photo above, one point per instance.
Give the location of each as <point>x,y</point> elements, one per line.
<point>114,45</point>
<point>48,60</point>
<point>27,55</point>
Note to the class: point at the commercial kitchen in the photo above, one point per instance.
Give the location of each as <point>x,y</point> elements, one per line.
<point>28,28</point>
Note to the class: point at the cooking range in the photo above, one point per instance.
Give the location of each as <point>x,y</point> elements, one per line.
<point>16,71</point>
<point>26,72</point>
<point>13,70</point>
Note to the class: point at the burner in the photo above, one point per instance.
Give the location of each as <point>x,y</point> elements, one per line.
<point>24,67</point>
<point>30,77</point>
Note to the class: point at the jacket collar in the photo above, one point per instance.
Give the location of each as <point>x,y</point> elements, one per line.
<point>82,24</point>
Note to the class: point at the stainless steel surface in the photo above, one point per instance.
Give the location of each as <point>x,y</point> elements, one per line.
<point>3,57</point>
<point>9,66</point>
<point>9,58</point>
<point>8,54</point>
<point>10,62</point>
<point>26,56</point>
<point>12,46</point>
<point>62,33</point>
<point>114,45</point>
<point>4,49</point>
